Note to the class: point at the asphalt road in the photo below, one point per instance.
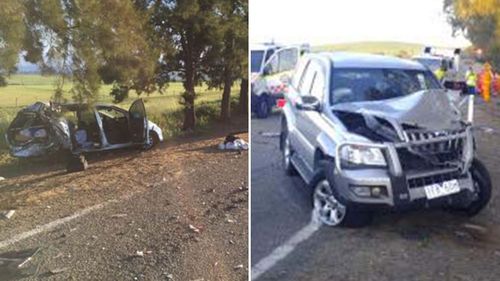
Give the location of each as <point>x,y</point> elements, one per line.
<point>423,245</point>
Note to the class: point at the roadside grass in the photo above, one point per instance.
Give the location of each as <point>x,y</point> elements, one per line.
<point>163,109</point>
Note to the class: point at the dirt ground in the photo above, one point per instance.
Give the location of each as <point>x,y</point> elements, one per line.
<point>177,212</point>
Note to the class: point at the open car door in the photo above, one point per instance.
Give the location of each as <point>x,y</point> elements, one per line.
<point>279,68</point>
<point>138,122</point>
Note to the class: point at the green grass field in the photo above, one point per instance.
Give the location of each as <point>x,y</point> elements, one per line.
<point>386,48</point>
<point>162,108</point>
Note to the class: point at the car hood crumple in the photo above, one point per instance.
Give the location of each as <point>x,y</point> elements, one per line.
<point>431,110</point>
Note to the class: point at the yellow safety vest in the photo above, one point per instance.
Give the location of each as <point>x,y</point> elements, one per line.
<point>471,79</point>
<point>439,74</point>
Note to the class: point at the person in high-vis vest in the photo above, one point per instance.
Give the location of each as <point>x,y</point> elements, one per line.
<point>486,80</point>
<point>441,71</point>
<point>496,84</point>
<point>471,81</point>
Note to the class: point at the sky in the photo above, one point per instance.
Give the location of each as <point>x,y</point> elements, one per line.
<point>338,21</point>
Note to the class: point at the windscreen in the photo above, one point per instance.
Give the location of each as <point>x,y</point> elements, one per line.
<point>358,84</point>
<point>432,64</point>
<point>256,60</point>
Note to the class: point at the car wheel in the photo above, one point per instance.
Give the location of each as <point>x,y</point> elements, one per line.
<point>153,140</point>
<point>76,163</point>
<point>329,210</point>
<point>482,185</point>
<point>262,107</point>
<point>286,151</point>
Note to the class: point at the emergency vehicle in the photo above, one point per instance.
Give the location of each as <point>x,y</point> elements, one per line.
<point>271,68</point>
<point>434,58</point>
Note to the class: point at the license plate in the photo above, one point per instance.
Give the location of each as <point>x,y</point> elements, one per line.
<point>441,189</point>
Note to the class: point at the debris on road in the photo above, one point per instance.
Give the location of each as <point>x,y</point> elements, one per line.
<point>194,228</point>
<point>475,227</point>
<point>12,263</point>
<point>58,270</point>
<point>233,143</point>
<point>239,266</point>
<point>119,216</point>
<point>2,178</point>
<point>139,254</point>
<point>8,214</point>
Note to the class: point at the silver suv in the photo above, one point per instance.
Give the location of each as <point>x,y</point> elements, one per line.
<point>369,132</point>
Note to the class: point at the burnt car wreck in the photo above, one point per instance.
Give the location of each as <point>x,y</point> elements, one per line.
<point>383,135</point>
<point>43,129</point>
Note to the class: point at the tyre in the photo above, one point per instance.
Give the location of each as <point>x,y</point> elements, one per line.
<point>263,107</point>
<point>327,207</point>
<point>153,140</point>
<point>286,151</point>
<point>76,163</point>
<point>482,185</point>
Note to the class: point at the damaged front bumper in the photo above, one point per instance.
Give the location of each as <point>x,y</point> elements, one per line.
<point>400,185</point>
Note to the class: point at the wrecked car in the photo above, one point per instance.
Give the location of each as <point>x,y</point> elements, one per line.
<point>45,128</point>
<point>372,133</point>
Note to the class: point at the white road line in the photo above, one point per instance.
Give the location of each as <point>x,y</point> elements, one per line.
<point>284,250</point>
<point>50,225</point>
<point>56,223</point>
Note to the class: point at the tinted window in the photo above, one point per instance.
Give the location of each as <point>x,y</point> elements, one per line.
<point>356,84</point>
<point>269,53</point>
<point>256,60</point>
<point>287,59</point>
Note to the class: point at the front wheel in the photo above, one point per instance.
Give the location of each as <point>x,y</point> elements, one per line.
<point>263,107</point>
<point>153,140</point>
<point>286,150</point>
<point>482,186</point>
<point>329,210</point>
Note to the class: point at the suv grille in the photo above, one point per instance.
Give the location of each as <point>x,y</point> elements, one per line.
<point>434,152</point>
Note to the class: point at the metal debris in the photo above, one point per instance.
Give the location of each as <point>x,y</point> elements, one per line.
<point>58,270</point>
<point>194,228</point>
<point>8,214</point>
<point>119,215</point>
<point>239,266</point>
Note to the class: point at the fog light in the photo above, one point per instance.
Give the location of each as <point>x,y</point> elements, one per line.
<point>363,191</point>
<point>376,191</point>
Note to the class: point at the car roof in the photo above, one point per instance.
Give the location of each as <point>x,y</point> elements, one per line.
<point>264,46</point>
<point>363,60</point>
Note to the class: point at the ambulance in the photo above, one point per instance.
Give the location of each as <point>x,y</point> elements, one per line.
<point>271,68</point>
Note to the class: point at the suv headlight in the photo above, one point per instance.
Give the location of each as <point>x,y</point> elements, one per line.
<point>352,155</point>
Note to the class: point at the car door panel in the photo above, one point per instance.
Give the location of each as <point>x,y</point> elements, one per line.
<point>308,120</point>
<point>138,122</point>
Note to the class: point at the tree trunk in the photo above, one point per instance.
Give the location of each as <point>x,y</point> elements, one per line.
<point>244,96</point>
<point>189,111</point>
<point>225,113</point>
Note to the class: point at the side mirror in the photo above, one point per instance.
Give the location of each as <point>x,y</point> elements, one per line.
<point>309,103</point>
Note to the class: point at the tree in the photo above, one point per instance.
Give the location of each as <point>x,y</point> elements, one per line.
<point>94,41</point>
<point>11,36</point>
<point>479,21</point>
<point>229,55</point>
<point>184,30</point>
